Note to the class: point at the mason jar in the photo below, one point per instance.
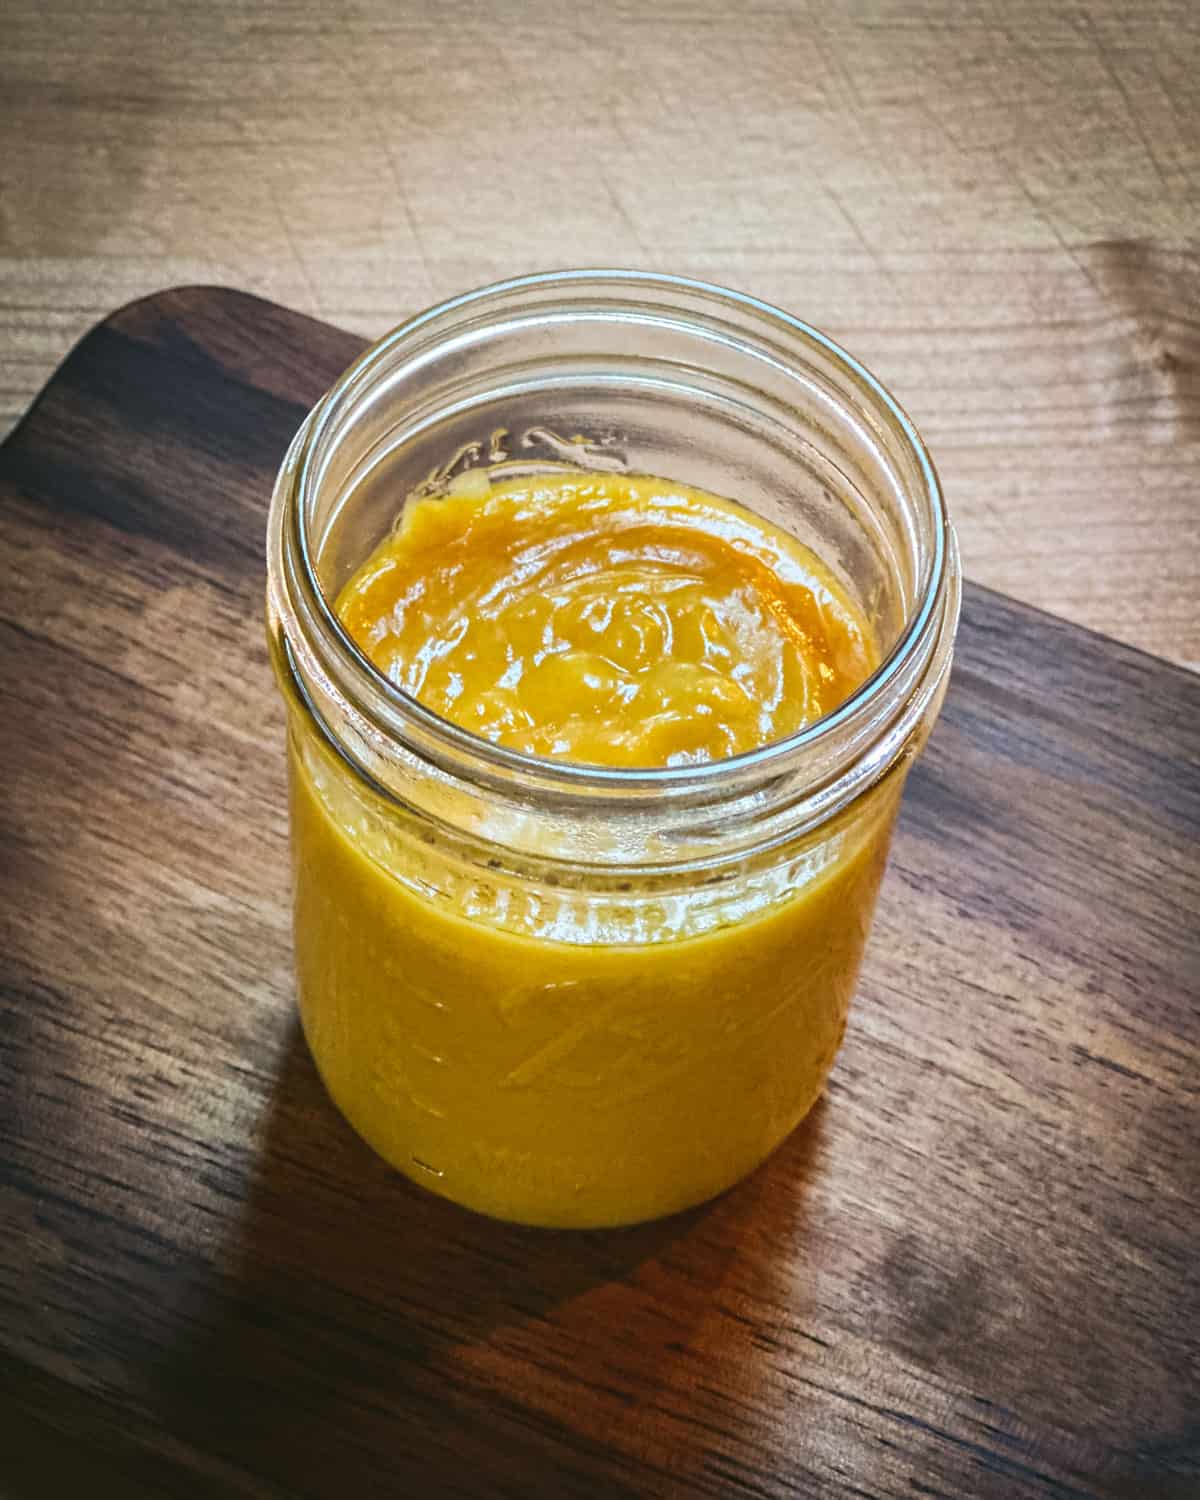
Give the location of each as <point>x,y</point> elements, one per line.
<point>566,994</point>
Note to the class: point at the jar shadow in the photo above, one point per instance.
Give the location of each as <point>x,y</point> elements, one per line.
<point>360,1309</point>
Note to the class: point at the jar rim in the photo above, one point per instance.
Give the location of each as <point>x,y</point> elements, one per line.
<point>705,778</point>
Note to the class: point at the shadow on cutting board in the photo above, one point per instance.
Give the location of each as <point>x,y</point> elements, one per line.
<point>372,1327</point>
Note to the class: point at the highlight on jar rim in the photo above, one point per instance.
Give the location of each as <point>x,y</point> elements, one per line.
<point>609,610</point>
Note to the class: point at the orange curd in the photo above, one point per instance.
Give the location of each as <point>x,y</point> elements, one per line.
<point>484,1036</point>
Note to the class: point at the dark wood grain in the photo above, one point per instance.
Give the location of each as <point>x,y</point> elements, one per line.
<point>973,1272</point>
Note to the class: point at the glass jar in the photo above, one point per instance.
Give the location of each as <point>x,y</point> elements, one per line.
<point>572,995</point>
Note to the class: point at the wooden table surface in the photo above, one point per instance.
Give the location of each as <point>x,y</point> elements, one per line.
<point>995,204</point>
<point>972,1274</point>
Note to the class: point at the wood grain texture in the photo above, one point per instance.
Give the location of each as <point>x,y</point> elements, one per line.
<point>972,1273</point>
<point>995,204</point>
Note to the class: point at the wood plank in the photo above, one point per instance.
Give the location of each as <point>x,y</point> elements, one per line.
<point>995,205</point>
<point>972,1272</point>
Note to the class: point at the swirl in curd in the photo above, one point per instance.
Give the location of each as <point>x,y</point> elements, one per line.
<point>609,620</point>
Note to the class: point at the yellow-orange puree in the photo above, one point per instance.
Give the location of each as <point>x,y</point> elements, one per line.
<point>526,1049</point>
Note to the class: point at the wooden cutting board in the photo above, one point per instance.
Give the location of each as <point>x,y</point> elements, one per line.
<point>973,1272</point>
